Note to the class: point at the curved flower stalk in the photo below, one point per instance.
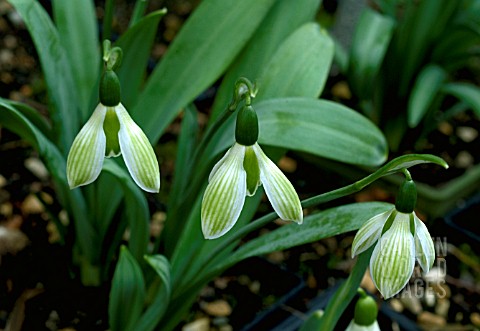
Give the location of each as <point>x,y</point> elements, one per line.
<point>400,238</point>
<point>239,173</point>
<point>109,132</point>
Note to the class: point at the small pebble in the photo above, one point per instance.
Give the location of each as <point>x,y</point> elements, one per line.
<point>429,319</point>
<point>217,308</point>
<point>201,324</point>
<point>3,181</point>
<point>396,305</point>
<point>36,167</point>
<point>287,164</point>
<point>445,128</point>
<point>464,160</point>
<point>475,318</point>
<point>442,307</point>
<point>367,283</point>
<point>341,90</point>
<point>467,134</point>
<point>412,303</point>
<point>31,205</point>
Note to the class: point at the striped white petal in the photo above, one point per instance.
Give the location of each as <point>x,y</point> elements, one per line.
<point>278,188</point>
<point>85,159</point>
<point>137,152</point>
<point>225,195</point>
<point>219,163</point>
<point>369,233</point>
<point>424,248</point>
<point>393,258</point>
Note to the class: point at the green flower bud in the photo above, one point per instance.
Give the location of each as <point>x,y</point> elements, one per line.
<point>366,310</point>
<point>246,129</point>
<point>109,89</point>
<point>406,197</point>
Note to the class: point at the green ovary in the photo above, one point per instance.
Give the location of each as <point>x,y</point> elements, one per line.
<point>250,164</point>
<point>111,126</point>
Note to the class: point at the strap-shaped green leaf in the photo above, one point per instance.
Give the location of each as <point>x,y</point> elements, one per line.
<point>315,227</point>
<point>159,305</point>
<point>300,66</point>
<point>369,45</point>
<point>33,116</point>
<point>136,44</point>
<point>77,27</point>
<point>468,93</point>
<point>322,128</point>
<point>127,295</point>
<point>56,67</point>
<point>284,17</point>
<point>422,24</point>
<point>136,209</point>
<point>426,87</point>
<point>207,43</point>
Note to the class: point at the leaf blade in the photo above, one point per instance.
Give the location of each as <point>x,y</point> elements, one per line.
<point>468,93</point>
<point>127,294</point>
<point>136,44</point>
<point>158,307</point>
<point>196,58</point>
<point>308,54</point>
<point>54,60</point>
<point>369,46</point>
<point>78,32</point>
<point>426,87</point>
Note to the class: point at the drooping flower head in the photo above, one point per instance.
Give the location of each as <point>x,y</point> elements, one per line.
<point>238,174</point>
<point>109,132</point>
<point>400,238</point>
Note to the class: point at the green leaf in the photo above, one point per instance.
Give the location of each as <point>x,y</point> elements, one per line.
<point>77,28</point>
<point>300,66</point>
<point>186,145</point>
<point>315,227</point>
<point>71,200</point>
<point>456,47</point>
<point>341,56</point>
<point>57,70</point>
<point>159,305</point>
<point>426,87</point>
<point>345,293</point>
<point>207,43</point>
<point>33,116</point>
<point>468,93</point>
<point>136,44</point>
<point>423,23</point>
<point>136,209</point>
<point>138,12</point>
<point>127,294</point>
<point>340,133</point>
<point>284,17</point>
<point>369,45</point>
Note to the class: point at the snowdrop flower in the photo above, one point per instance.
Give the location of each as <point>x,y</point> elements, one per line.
<point>238,174</point>
<point>401,238</point>
<point>365,317</point>
<point>110,131</point>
